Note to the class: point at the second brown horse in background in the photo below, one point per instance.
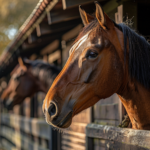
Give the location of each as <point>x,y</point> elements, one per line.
<point>28,78</point>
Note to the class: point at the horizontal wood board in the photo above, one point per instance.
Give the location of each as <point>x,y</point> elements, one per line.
<point>19,139</point>
<point>34,126</point>
<point>121,138</point>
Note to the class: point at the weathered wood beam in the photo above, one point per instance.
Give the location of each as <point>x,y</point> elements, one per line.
<point>38,31</point>
<point>7,144</point>
<point>56,16</point>
<point>20,140</point>
<point>41,42</point>
<point>72,33</point>
<point>32,38</point>
<point>69,3</point>
<point>33,57</point>
<point>27,124</point>
<point>50,48</point>
<point>54,56</point>
<point>44,28</point>
<point>119,137</point>
<point>59,15</point>
<point>49,18</point>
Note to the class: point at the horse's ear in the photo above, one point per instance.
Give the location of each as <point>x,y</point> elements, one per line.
<point>86,18</point>
<point>100,15</point>
<point>21,63</point>
<point>103,19</point>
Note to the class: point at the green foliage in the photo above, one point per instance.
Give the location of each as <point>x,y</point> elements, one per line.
<point>13,14</point>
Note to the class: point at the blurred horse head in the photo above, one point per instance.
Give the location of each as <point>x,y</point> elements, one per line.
<point>28,78</point>
<point>106,58</point>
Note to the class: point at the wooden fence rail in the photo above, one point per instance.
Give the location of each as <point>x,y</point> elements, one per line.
<point>24,133</point>
<point>32,126</point>
<point>109,137</point>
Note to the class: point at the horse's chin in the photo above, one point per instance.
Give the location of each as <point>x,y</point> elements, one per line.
<point>64,123</point>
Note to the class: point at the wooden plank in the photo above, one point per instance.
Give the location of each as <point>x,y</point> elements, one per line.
<point>33,57</point>
<point>59,15</point>
<point>77,128</point>
<point>69,3</point>
<point>32,126</point>
<point>106,112</point>
<point>49,17</point>
<point>65,52</point>
<point>80,135</point>
<point>132,138</point>
<point>77,135</point>
<point>50,48</point>
<point>68,148</point>
<point>122,146</point>
<point>32,38</point>
<point>73,145</point>
<point>57,26</point>
<point>73,139</point>
<point>107,122</point>
<point>38,31</point>
<point>54,56</point>
<point>72,33</point>
<point>7,145</point>
<point>20,140</point>
<point>89,143</point>
<point>83,117</point>
<point>110,100</point>
<point>99,144</point>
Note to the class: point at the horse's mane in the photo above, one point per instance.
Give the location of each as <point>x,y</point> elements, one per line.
<point>44,71</point>
<point>139,51</point>
<point>139,55</point>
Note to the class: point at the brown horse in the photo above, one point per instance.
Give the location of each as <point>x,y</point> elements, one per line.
<point>27,79</point>
<point>106,58</point>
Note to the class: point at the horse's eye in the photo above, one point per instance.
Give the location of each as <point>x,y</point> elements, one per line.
<point>91,54</point>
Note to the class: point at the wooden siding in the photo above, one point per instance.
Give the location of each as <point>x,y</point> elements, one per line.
<point>107,111</point>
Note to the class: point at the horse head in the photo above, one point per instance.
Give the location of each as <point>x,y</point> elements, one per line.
<point>21,85</point>
<point>94,70</point>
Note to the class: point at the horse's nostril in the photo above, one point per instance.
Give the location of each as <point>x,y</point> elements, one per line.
<point>52,110</point>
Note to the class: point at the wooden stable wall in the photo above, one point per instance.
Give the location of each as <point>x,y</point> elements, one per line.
<point>108,111</point>
<point>75,137</point>
<point>24,133</point>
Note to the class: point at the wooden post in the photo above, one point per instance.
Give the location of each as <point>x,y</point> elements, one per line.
<point>53,140</point>
<point>89,143</point>
<point>32,107</point>
<point>0,120</point>
<point>35,106</point>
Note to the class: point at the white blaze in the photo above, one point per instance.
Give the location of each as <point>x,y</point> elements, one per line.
<point>79,43</point>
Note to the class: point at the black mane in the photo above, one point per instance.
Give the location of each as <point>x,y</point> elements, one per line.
<point>139,55</point>
<point>44,71</point>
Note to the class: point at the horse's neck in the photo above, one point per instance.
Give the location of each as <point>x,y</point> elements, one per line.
<point>44,78</point>
<point>136,101</point>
